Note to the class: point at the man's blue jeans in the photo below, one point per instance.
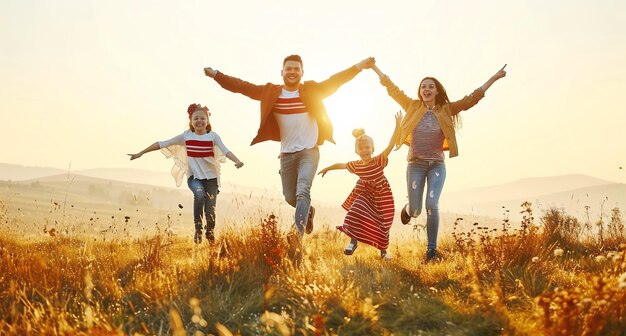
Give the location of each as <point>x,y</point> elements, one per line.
<point>431,173</point>
<point>204,198</point>
<point>297,171</point>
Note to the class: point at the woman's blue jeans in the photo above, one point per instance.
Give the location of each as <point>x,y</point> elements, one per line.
<point>297,171</point>
<point>204,199</point>
<point>432,174</point>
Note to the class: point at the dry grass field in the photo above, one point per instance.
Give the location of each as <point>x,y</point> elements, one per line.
<point>68,270</point>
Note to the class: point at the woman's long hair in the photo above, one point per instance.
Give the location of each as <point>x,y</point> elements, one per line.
<point>440,99</point>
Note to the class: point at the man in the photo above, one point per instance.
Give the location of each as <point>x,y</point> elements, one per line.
<point>294,114</point>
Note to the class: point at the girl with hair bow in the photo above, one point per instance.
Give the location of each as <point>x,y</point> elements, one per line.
<point>197,153</point>
<point>370,204</point>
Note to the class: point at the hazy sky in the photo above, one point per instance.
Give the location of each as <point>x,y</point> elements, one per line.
<point>85,82</point>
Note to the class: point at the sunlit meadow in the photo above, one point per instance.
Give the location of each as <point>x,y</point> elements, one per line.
<point>65,275</point>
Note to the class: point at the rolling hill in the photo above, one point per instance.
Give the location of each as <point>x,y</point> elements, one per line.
<point>571,193</point>
<point>71,197</point>
<point>150,198</point>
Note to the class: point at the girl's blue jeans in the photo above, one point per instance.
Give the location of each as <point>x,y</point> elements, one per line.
<point>432,174</point>
<point>204,199</point>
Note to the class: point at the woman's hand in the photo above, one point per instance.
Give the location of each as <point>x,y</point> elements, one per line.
<point>380,74</point>
<point>501,73</point>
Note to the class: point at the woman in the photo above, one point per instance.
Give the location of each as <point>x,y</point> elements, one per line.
<point>428,128</point>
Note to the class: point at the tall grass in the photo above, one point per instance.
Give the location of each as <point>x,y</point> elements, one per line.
<point>544,277</point>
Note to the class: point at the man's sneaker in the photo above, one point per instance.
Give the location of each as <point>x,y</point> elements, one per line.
<point>351,247</point>
<point>432,256</point>
<point>309,221</point>
<point>197,237</point>
<point>294,247</point>
<point>210,236</point>
<point>404,216</point>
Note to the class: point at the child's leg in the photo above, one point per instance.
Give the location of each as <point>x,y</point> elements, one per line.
<point>199,195</point>
<point>209,206</point>
<point>385,255</point>
<point>351,247</point>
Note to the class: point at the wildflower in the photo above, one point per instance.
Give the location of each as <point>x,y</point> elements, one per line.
<point>558,252</point>
<point>276,321</point>
<point>535,259</point>
<point>600,258</point>
<point>622,281</point>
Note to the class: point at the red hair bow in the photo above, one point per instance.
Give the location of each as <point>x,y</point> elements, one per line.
<point>195,107</point>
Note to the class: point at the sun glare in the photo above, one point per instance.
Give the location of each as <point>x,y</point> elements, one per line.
<point>344,113</point>
<point>348,110</point>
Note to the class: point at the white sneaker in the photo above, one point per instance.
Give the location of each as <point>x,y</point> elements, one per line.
<point>350,248</point>
<point>385,255</point>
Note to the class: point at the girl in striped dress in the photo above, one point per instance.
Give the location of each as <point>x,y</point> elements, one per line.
<point>197,153</point>
<point>370,204</point>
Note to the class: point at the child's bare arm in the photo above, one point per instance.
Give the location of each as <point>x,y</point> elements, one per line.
<point>234,159</point>
<point>394,136</point>
<point>332,167</point>
<point>153,147</point>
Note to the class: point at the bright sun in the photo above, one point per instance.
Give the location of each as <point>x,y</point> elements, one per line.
<point>349,110</point>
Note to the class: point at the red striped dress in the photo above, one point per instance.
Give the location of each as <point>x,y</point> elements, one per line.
<point>370,204</point>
